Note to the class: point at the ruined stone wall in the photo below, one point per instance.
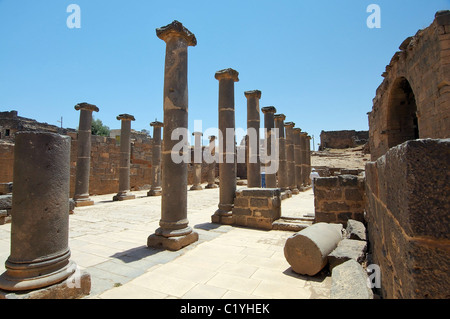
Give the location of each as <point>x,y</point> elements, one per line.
<point>413,100</point>
<point>257,207</point>
<point>338,199</point>
<point>342,139</point>
<point>6,162</point>
<point>105,155</point>
<point>408,191</point>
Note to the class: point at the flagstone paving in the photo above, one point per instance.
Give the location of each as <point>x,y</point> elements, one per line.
<point>108,240</point>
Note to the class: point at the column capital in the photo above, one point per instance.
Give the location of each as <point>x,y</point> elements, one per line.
<point>269,109</point>
<point>227,74</point>
<point>156,124</point>
<point>297,130</point>
<point>253,93</point>
<point>303,134</point>
<point>86,106</point>
<point>176,29</point>
<point>289,124</point>
<point>280,117</point>
<point>126,117</point>
<point>197,134</point>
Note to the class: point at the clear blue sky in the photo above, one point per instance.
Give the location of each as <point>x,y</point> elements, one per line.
<point>315,61</point>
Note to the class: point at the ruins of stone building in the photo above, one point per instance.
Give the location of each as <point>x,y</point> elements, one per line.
<point>407,182</point>
<point>342,139</point>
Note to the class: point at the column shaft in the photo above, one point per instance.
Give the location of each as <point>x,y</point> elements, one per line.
<point>197,166</point>
<point>252,145</point>
<point>282,171</point>
<point>269,124</point>
<point>290,157</point>
<point>156,189</point>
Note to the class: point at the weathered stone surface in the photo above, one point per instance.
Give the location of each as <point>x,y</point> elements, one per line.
<point>5,201</point>
<point>350,281</point>
<point>356,230</point>
<point>171,243</point>
<point>347,249</point>
<point>5,188</point>
<point>307,250</point>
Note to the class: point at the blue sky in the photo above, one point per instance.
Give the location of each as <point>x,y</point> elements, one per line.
<point>315,61</point>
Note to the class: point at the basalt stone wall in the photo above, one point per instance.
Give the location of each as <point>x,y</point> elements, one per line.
<point>413,100</point>
<point>339,198</point>
<point>342,139</point>
<point>104,172</point>
<point>407,207</point>
<point>257,207</point>
<point>6,162</point>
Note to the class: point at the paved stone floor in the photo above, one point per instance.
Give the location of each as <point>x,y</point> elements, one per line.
<point>109,239</point>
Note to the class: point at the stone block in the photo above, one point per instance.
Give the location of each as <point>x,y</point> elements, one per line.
<point>418,187</point>
<point>242,211</point>
<point>324,217</point>
<point>241,202</point>
<point>356,230</point>
<point>5,202</point>
<point>348,180</point>
<point>350,281</point>
<point>259,202</point>
<point>171,243</point>
<point>260,192</point>
<point>5,188</point>
<point>347,249</point>
<point>326,182</point>
<point>353,194</point>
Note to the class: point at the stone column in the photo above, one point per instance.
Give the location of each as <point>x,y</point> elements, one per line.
<point>40,254</point>
<point>303,159</point>
<point>227,149</point>
<point>282,170</point>
<point>155,190</point>
<point>308,158</point>
<point>124,161</point>
<point>174,232</point>
<point>81,195</point>
<point>289,126</point>
<point>197,166</point>
<point>298,158</point>
<point>212,166</point>
<point>269,124</point>
<point>252,146</point>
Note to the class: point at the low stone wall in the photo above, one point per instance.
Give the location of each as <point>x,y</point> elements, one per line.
<point>408,191</point>
<point>6,162</point>
<point>257,207</point>
<point>338,199</point>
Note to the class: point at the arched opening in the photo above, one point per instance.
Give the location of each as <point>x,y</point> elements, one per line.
<point>402,122</point>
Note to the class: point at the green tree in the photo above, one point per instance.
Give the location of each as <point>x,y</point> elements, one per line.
<point>98,128</point>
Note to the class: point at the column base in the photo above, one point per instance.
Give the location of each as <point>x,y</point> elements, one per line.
<point>209,186</point>
<point>154,192</point>
<point>222,217</point>
<point>74,287</point>
<point>123,196</point>
<point>295,191</point>
<point>286,194</point>
<point>171,243</point>
<point>305,188</point>
<point>196,188</point>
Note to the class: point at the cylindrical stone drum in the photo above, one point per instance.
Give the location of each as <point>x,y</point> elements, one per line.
<point>307,250</point>
<point>40,225</point>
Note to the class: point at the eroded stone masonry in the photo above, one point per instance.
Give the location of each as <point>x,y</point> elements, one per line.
<point>392,214</point>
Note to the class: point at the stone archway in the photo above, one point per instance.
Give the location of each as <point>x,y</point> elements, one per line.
<point>402,122</point>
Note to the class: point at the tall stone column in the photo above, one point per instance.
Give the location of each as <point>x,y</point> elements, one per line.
<point>269,124</point>
<point>290,156</point>
<point>124,161</point>
<point>174,232</point>
<point>282,171</point>
<point>40,254</point>
<point>298,158</point>
<point>303,159</point>
<point>197,166</point>
<point>227,149</point>
<point>156,189</point>
<point>212,166</point>
<point>252,146</point>
<point>308,158</point>
<point>81,195</point>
